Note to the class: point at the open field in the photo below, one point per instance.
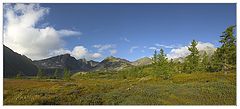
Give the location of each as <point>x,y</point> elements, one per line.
<point>109,89</point>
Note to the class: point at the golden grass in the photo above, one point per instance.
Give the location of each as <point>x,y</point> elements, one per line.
<point>181,89</point>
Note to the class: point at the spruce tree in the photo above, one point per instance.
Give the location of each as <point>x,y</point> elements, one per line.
<point>66,74</point>
<point>39,74</point>
<point>55,74</point>
<point>162,67</point>
<point>204,66</point>
<point>154,59</point>
<point>192,60</point>
<point>228,49</point>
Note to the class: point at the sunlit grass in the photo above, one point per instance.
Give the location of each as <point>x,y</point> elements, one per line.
<point>104,88</point>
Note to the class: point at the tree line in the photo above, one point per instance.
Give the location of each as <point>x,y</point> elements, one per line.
<point>222,60</point>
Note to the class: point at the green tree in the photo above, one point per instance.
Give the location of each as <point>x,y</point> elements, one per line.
<point>162,67</point>
<point>55,75</point>
<point>66,74</point>
<point>205,63</point>
<point>161,58</point>
<point>216,63</point>
<point>192,60</point>
<point>39,74</point>
<point>228,48</point>
<point>224,58</point>
<point>18,76</point>
<point>154,59</point>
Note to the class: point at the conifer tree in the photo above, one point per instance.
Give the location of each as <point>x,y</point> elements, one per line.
<point>39,74</point>
<point>66,74</point>
<point>204,66</point>
<point>162,67</point>
<point>192,60</point>
<point>227,52</point>
<point>55,74</point>
<point>154,59</point>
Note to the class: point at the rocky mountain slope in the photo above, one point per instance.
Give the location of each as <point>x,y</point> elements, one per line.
<point>64,61</point>
<point>112,63</point>
<point>142,61</point>
<point>14,63</point>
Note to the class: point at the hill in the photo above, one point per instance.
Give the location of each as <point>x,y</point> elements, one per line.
<point>142,61</point>
<point>15,63</point>
<point>112,63</point>
<point>62,62</point>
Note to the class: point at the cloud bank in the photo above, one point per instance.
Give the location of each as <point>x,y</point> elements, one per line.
<point>23,36</point>
<point>183,51</point>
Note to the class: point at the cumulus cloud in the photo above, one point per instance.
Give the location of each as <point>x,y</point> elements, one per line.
<point>133,48</point>
<point>23,36</point>
<point>78,52</point>
<point>183,51</point>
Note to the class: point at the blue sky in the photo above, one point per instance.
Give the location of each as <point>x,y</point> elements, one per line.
<point>132,29</point>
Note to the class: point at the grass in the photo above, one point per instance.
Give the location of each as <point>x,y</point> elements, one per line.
<point>110,89</point>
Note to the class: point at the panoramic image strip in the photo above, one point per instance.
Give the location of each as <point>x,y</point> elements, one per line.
<point>119,54</point>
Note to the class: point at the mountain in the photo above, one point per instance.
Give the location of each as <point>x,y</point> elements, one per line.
<point>14,63</point>
<point>64,61</point>
<point>112,63</point>
<point>142,61</point>
<point>93,63</point>
<point>90,63</point>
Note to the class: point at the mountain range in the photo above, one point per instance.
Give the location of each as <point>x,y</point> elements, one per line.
<point>15,63</point>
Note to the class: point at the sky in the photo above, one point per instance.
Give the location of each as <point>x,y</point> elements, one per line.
<point>130,31</point>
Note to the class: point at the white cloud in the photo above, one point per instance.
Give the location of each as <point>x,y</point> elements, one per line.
<point>183,51</point>
<point>78,52</point>
<point>23,36</point>
<point>165,46</point>
<point>101,47</point>
<point>133,48</point>
<point>153,48</point>
<point>68,32</point>
<point>96,55</point>
<point>113,51</point>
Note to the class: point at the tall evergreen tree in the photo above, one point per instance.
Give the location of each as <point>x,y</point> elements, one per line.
<point>154,59</point>
<point>228,49</point>
<point>192,60</point>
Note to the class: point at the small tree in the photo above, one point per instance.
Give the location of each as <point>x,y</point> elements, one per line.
<point>55,75</point>
<point>154,59</point>
<point>205,63</point>
<point>66,74</point>
<point>18,76</point>
<point>162,67</point>
<point>39,74</point>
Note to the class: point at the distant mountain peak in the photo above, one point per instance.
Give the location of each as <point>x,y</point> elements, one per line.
<point>142,61</point>
<point>112,63</point>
